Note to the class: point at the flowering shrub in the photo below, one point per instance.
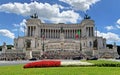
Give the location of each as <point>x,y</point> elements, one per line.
<point>43,63</point>
<point>75,63</point>
<point>55,63</point>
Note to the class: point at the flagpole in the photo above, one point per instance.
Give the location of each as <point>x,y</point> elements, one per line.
<point>96,39</point>
<point>80,41</point>
<point>43,36</point>
<point>96,42</point>
<point>78,37</point>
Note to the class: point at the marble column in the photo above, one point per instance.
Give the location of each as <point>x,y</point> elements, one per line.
<point>74,33</point>
<point>66,33</point>
<point>50,33</point>
<point>30,31</point>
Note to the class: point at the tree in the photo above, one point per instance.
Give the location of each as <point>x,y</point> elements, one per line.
<point>118,50</point>
<point>0,48</point>
<point>110,46</point>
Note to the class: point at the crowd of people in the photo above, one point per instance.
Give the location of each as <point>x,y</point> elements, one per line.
<point>62,54</point>
<point>51,54</point>
<point>12,56</point>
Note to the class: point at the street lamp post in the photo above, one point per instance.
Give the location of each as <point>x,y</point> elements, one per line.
<point>43,45</point>
<point>80,43</point>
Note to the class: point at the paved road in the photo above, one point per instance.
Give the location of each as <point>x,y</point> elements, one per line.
<point>4,63</point>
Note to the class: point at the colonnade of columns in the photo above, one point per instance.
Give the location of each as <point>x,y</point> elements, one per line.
<point>90,31</point>
<point>31,30</point>
<point>55,33</point>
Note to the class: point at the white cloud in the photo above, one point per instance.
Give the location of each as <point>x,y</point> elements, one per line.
<point>21,26</point>
<point>118,26</point>
<point>109,28</point>
<point>66,16</point>
<point>109,36</point>
<point>82,5</point>
<point>7,33</point>
<point>118,23</point>
<point>45,11</point>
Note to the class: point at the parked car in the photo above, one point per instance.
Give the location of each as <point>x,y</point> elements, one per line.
<point>32,59</point>
<point>77,58</point>
<point>92,58</point>
<point>118,58</point>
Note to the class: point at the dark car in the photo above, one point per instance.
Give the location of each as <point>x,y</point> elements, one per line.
<point>92,58</point>
<point>32,59</point>
<point>77,58</point>
<point>118,58</point>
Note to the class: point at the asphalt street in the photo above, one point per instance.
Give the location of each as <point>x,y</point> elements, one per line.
<point>5,63</point>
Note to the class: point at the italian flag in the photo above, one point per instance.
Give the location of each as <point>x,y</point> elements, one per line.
<point>77,34</point>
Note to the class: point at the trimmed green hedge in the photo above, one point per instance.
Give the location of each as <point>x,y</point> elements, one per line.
<point>105,63</point>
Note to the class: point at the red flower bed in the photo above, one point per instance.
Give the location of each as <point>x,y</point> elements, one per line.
<point>43,63</point>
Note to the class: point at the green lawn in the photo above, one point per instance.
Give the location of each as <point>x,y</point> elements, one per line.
<point>19,70</point>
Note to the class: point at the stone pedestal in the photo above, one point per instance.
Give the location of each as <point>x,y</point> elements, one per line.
<point>28,54</point>
<point>61,35</point>
<point>95,53</point>
<point>4,48</point>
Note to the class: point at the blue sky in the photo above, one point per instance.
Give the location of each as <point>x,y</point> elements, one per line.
<point>105,13</point>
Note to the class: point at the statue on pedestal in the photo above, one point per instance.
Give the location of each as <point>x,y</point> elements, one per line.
<point>34,15</point>
<point>87,17</point>
<point>61,34</point>
<point>61,29</point>
<point>4,47</point>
